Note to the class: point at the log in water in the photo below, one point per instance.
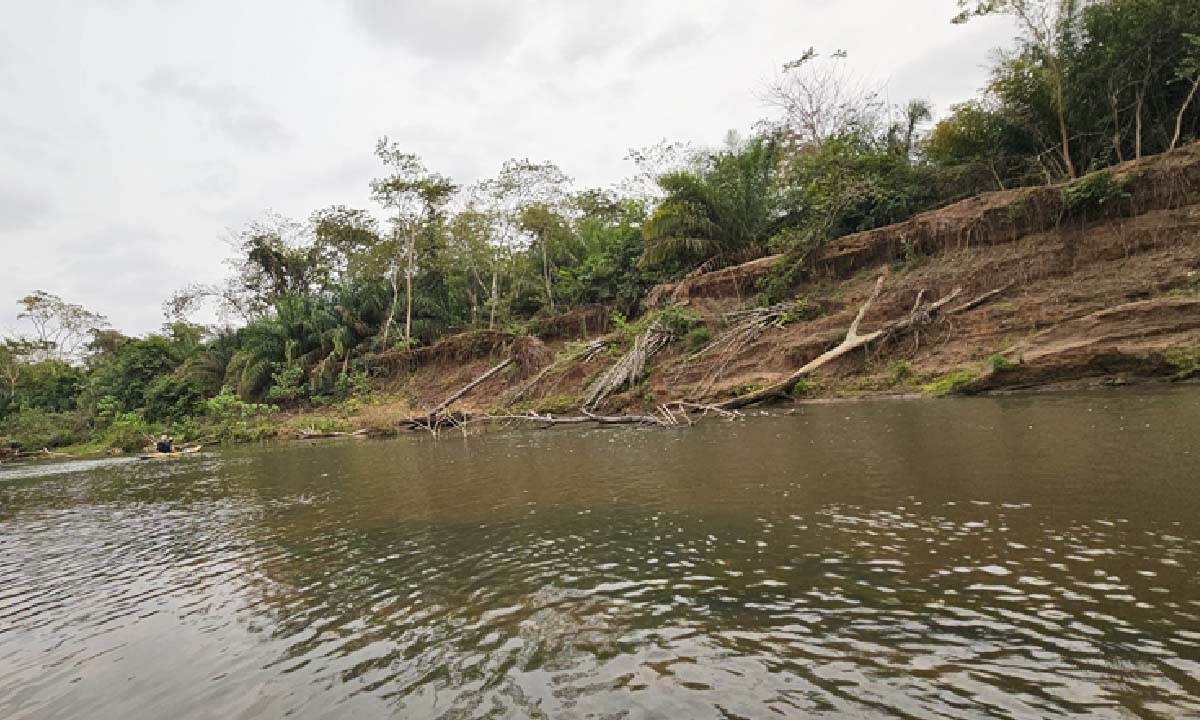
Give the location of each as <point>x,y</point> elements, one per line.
<point>976,558</point>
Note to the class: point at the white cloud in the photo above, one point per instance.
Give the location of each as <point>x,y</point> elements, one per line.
<point>136,132</point>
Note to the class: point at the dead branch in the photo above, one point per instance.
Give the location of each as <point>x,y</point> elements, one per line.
<point>627,371</point>
<point>919,316</point>
<point>967,307</point>
<point>468,388</point>
<point>314,434</point>
<point>575,420</point>
<point>583,355</point>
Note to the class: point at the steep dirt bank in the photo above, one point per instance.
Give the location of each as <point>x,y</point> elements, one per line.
<point>1100,282</point>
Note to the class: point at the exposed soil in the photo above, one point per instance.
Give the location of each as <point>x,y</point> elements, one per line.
<point>1100,292</point>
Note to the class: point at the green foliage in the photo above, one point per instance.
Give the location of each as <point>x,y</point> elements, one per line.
<point>51,386</point>
<point>951,383</point>
<point>998,363</point>
<point>803,388</point>
<point>697,338</point>
<point>1191,286</point>
<point>724,212</point>
<point>287,384</point>
<point>678,321</point>
<point>126,432</point>
<point>227,417</point>
<point>1185,362</point>
<point>747,389</point>
<point>353,385</point>
<point>1095,195</point>
<point>900,372</point>
<point>172,398</point>
<point>34,429</point>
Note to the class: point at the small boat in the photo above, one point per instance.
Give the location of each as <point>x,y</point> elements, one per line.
<point>178,453</point>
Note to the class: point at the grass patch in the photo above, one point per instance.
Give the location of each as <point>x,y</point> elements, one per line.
<point>998,363</point>
<point>1185,363</point>
<point>951,383</point>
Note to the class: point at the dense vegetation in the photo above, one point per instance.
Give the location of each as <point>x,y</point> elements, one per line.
<point>312,304</point>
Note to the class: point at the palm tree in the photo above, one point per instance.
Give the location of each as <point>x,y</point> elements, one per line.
<point>723,213</point>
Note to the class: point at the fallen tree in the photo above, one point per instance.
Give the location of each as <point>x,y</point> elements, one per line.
<point>922,314</point>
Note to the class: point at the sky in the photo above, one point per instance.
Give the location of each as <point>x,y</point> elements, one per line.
<point>137,135</point>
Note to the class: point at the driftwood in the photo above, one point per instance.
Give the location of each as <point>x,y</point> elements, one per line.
<point>313,434</point>
<point>573,420</point>
<point>44,452</point>
<point>921,314</point>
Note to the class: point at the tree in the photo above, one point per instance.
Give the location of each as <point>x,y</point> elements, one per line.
<point>1189,71</point>
<point>523,199</point>
<point>415,195</point>
<point>61,329</point>
<point>821,99</point>
<point>724,213</point>
<point>1051,28</point>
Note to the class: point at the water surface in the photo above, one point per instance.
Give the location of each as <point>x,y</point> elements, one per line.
<point>1018,557</point>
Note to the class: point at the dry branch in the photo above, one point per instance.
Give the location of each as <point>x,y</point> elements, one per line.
<point>627,371</point>
<point>574,420</point>
<point>583,355</point>
<point>468,388</point>
<point>921,314</point>
<point>314,434</point>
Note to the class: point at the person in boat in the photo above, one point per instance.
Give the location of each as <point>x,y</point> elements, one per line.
<point>164,444</point>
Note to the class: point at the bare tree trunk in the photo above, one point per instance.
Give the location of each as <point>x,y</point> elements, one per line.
<point>920,315</point>
<point>387,324</point>
<point>468,388</point>
<point>1183,111</point>
<point>1137,124</point>
<point>495,301</point>
<point>546,276</point>
<point>408,293</point>
<point>1113,102</point>
<point>1062,127</point>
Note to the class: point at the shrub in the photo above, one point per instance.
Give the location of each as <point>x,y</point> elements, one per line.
<point>698,338</point>
<point>172,398</point>
<point>951,383</point>
<point>1186,363</point>
<point>127,432</point>
<point>1096,194</point>
<point>899,372</point>
<point>32,429</point>
<point>997,363</point>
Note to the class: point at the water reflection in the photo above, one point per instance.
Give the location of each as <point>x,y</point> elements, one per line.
<point>986,558</point>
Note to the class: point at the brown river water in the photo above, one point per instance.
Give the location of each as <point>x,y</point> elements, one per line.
<point>1019,557</point>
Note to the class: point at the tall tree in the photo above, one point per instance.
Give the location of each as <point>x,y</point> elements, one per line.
<point>61,329</point>
<point>1050,28</point>
<point>415,195</point>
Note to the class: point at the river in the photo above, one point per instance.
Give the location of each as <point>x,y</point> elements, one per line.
<point>1018,557</point>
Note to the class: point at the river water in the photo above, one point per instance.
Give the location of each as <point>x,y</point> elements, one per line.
<point>1020,557</point>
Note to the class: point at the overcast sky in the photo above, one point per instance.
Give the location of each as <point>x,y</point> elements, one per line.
<point>135,133</point>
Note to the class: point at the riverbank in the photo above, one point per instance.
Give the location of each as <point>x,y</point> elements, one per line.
<point>1092,282</point>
